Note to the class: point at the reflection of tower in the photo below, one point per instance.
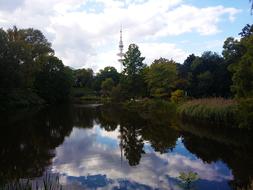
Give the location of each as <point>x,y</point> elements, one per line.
<point>120,54</point>
<point>121,145</point>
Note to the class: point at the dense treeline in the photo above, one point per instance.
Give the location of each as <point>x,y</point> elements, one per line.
<point>209,75</point>
<point>30,73</point>
<point>229,76</point>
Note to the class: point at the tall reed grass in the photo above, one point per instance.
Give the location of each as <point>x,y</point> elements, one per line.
<point>48,182</point>
<point>214,110</point>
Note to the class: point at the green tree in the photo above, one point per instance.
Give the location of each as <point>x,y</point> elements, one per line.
<point>25,56</point>
<point>133,79</point>
<point>242,66</point>
<point>161,77</point>
<point>10,75</point>
<point>27,46</point>
<point>118,94</point>
<point>83,78</point>
<point>205,73</point>
<point>53,82</point>
<point>242,70</point>
<point>107,72</point>
<point>107,86</point>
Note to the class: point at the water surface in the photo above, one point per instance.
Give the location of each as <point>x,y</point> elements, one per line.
<point>107,147</point>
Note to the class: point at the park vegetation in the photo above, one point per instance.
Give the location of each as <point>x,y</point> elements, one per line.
<point>30,74</point>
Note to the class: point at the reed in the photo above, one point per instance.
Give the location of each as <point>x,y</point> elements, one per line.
<point>213,110</point>
<point>47,182</point>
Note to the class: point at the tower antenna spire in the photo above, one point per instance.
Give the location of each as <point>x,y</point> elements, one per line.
<point>121,46</point>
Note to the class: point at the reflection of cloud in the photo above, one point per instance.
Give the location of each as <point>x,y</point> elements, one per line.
<point>94,151</point>
<point>109,134</point>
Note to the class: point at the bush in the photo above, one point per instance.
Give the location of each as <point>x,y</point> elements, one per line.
<point>78,92</point>
<point>118,94</point>
<point>177,96</point>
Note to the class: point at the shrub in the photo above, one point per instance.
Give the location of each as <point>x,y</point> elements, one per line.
<point>177,96</point>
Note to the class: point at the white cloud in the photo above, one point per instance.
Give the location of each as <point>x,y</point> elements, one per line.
<point>85,37</point>
<point>156,50</point>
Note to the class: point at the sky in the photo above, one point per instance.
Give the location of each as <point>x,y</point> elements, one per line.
<point>85,33</point>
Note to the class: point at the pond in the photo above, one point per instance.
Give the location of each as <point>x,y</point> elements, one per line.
<point>107,147</point>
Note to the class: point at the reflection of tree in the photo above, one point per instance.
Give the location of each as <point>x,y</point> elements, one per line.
<point>236,154</point>
<point>160,125</point>
<point>138,125</point>
<point>161,137</point>
<point>132,144</point>
<point>108,117</point>
<point>130,125</point>
<point>26,145</point>
<point>130,133</point>
<point>84,117</point>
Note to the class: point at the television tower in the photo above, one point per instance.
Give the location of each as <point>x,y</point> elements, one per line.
<point>121,54</point>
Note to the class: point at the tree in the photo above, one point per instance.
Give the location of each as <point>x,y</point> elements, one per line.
<point>133,80</point>
<point>161,77</point>
<point>242,70</point>
<point>205,73</point>
<point>107,86</point>
<point>83,78</point>
<point>185,69</point>
<point>28,45</point>
<point>25,56</point>
<point>242,64</point>
<point>118,94</point>
<point>232,50</point>
<point>133,62</point>
<point>53,82</point>
<point>10,76</point>
<point>247,31</point>
<point>107,72</point>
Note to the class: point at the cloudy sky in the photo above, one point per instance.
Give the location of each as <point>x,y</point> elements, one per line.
<point>85,33</point>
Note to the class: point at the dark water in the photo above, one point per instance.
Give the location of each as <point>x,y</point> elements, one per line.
<point>107,147</point>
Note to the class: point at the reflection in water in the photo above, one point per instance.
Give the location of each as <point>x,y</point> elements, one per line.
<point>112,148</point>
<point>27,144</point>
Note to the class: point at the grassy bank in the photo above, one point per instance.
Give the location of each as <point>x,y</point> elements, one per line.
<point>213,110</point>
<point>151,105</point>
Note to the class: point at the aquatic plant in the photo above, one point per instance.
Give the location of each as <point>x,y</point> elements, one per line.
<point>187,179</point>
<point>48,182</point>
<point>213,110</point>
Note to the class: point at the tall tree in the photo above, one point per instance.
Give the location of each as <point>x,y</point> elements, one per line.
<point>242,66</point>
<point>133,71</point>
<point>10,75</point>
